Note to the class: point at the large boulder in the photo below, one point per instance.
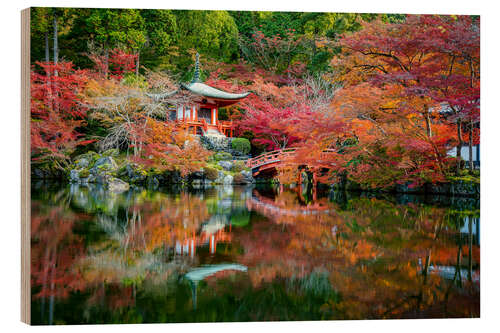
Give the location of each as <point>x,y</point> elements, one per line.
<point>117,185</point>
<point>106,162</point>
<point>220,178</point>
<point>247,176</point>
<point>85,160</point>
<point>74,176</point>
<point>133,173</point>
<point>81,176</point>
<point>82,162</point>
<point>228,180</point>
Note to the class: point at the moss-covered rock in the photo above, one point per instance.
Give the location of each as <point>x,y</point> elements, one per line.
<point>84,173</point>
<point>238,166</point>
<point>133,173</point>
<point>105,163</point>
<point>111,152</point>
<point>223,156</point>
<point>211,173</point>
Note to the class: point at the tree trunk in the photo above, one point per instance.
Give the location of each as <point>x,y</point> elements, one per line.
<point>106,62</point>
<point>459,146</point>
<point>471,131</point>
<point>427,117</point>
<point>56,47</point>
<point>137,64</point>
<point>47,50</point>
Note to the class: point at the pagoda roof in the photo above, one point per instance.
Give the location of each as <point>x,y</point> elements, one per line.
<point>205,90</point>
<point>222,98</point>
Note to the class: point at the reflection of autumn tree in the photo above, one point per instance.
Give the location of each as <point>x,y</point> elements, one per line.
<point>147,226</point>
<point>364,258</point>
<point>377,254</point>
<point>171,221</point>
<point>54,250</point>
<point>150,240</point>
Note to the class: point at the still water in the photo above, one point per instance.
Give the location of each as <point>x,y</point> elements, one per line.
<point>247,254</point>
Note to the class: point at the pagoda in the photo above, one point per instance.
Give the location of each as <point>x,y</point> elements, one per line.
<point>200,117</point>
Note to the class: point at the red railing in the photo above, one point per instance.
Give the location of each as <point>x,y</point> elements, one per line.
<point>269,157</point>
<point>276,156</point>
<point>224,127</point>
<point>204,124</point>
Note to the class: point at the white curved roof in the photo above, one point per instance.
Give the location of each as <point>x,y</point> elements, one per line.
<point>202,89</point>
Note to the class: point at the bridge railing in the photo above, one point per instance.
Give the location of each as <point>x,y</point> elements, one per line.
<point>277,155</point>
<point>268,157</point>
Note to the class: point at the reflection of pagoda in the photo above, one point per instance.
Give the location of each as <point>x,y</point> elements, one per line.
<point>201,117</point>
<point>187,246</point>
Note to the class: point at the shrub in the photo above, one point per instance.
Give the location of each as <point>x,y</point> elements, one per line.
<point>223,156</point>
<point>134,81</point>
<point>241,145</point>
<point>238,166</point>
<point>211,173</point>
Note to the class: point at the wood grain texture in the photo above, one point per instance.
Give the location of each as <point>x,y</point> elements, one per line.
<point>25,169</point>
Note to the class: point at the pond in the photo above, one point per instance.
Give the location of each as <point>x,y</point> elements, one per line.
<point>234,253</point>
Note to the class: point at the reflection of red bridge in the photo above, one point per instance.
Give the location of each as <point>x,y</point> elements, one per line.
<point>272,159</point>
<point>267,206</point>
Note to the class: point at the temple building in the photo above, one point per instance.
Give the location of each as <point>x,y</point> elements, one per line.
<point>201,116</point>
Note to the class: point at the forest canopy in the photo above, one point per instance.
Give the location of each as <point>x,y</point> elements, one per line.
<point>387,95</point>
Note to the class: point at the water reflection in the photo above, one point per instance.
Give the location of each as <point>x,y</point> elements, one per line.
<point>242,253</point>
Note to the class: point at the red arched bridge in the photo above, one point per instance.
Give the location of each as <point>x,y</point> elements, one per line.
<point>271,160</point>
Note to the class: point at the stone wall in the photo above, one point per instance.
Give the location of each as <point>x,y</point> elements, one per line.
<point>455,188</point>
<point>217,143</point>
<point>221,144</point>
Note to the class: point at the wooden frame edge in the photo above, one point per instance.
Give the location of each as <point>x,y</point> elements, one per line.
<point>25,169</point>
